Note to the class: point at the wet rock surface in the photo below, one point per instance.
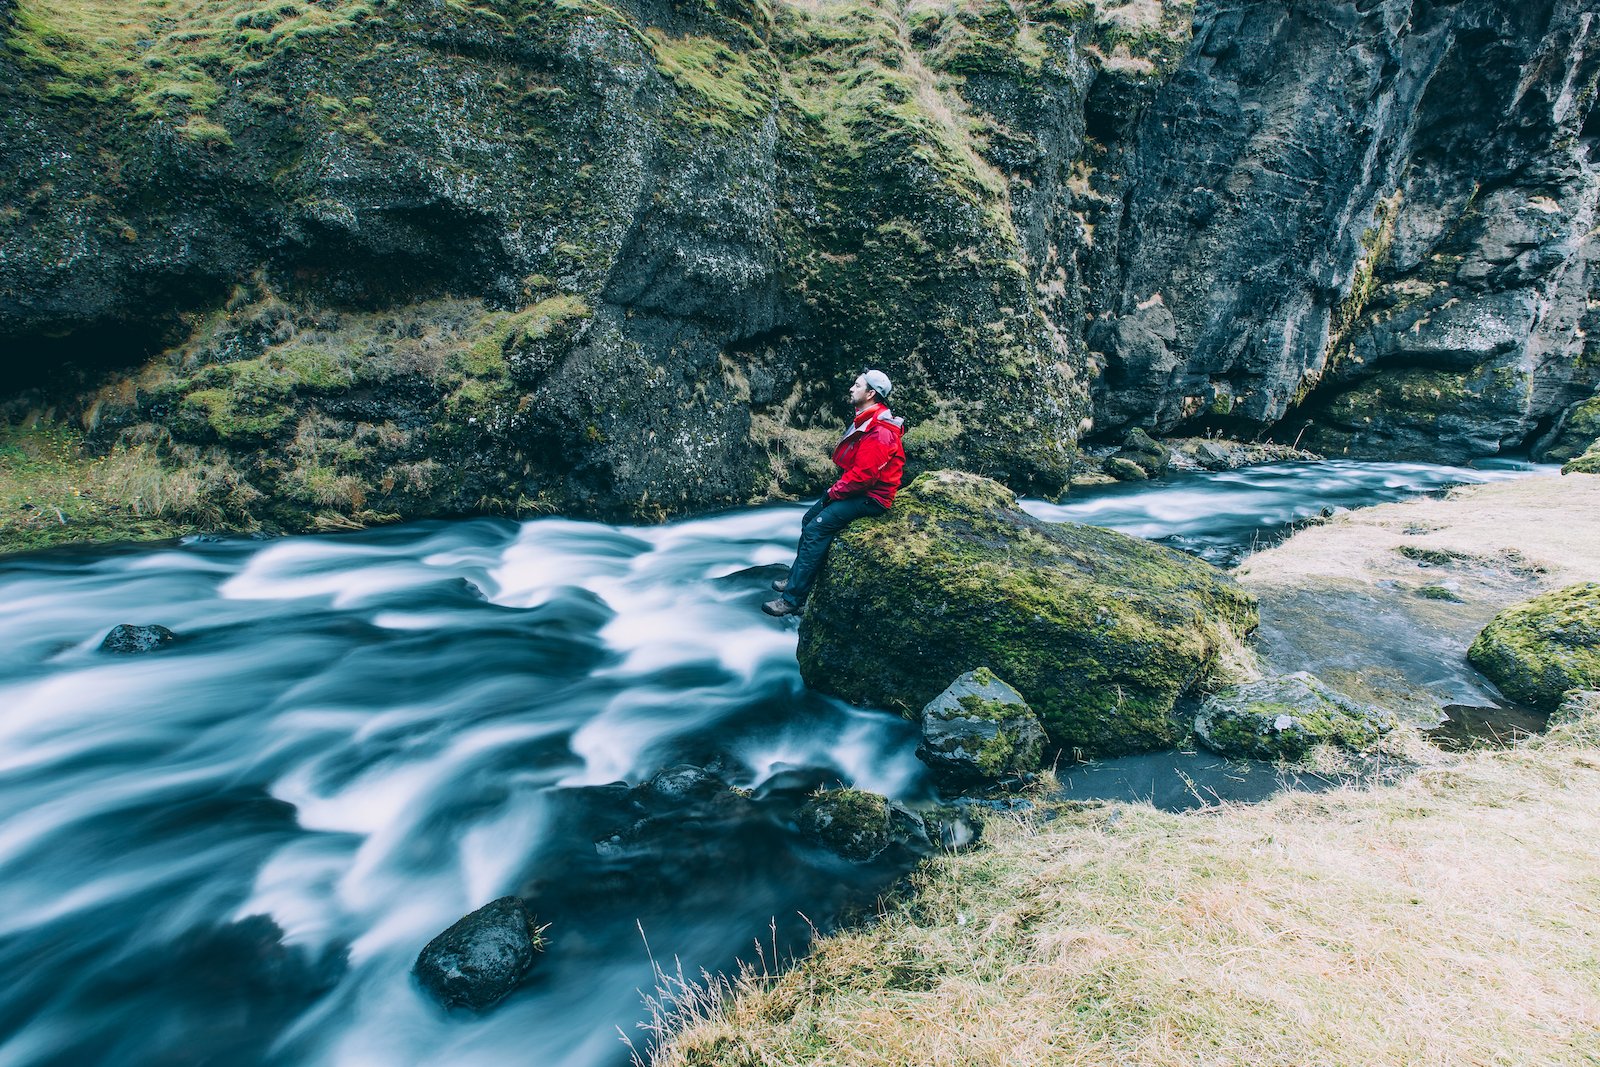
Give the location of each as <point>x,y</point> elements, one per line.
<point>129,639</point>
<point>482,957</point>
<point>1102,631</point>
<point>1285,717</point>
<point>980,730</point>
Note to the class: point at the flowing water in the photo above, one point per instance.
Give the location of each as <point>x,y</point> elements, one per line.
<point>230,851</point>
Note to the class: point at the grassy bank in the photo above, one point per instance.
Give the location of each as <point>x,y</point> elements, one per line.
<point>53,491</point>
<point>1453,918</point>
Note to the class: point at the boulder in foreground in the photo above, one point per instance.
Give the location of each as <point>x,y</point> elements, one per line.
<point>1284,717</point>
<point>980,730</point>
<point>1538,650</point>
<point>1102,631</point>
<point>482,957</point>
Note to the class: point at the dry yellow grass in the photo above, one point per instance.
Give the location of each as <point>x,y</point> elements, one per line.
<point>1452,919</point>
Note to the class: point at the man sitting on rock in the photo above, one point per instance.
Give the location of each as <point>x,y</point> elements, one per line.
<point>871,457</point>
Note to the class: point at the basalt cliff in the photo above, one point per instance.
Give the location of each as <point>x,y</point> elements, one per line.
<point>369,258</point>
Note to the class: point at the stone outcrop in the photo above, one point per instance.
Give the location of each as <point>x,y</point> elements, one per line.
<point>978,731</point>
<point>1537,651</point>
<point>482,957</point>
<point>861,826</point>
<point>373,259</point>
<point>128,639</point>
<point>1102,631</point>
<point>1285,717</point>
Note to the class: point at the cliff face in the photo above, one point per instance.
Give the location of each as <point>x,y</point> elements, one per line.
<point>1372,221</point>
<point>411,256</point>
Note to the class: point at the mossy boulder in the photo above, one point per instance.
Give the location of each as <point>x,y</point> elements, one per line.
<point>1143,451</point>
<point>1285,717</point>
<point>1103,631</point>
<point>1537,651</point>
<point>1579,434</point>
<point>1588,463</point>
<point>980,730</point>
<point>1123,470</point>
<point>861,826</point>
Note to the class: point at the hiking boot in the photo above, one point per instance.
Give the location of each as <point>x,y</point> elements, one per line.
<point>780,608</point>
<point>780,585</point>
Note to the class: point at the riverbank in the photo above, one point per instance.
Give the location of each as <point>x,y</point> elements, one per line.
<point>1449,918</point>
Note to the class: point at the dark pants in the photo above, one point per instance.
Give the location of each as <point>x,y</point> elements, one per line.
<point>817,530</point>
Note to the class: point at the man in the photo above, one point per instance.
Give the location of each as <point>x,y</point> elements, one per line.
<point>871,457</point>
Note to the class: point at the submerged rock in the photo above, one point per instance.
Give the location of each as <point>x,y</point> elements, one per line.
<point>128,639</point>
<point>1284,717</point>
<point>1538,650</point>
<point>1103,631</point>
<point>481,958</point>
<point>980,730</point>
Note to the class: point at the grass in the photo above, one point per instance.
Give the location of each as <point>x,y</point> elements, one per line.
<point>1451,919</point>
<point>53,491</point>
<point>166,58</point>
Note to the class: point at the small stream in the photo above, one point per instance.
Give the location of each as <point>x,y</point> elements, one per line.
<point>230,851</point>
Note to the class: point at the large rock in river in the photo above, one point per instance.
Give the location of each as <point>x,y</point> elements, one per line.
<point>1102,631</point>
<point>1538,650</point>
<point>482,957</point>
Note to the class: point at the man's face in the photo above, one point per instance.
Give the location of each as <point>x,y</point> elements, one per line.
<point>859,391</point>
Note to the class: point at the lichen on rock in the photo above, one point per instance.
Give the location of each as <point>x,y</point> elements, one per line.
<point>979,730</point>
<point>1537,651</point>
<point>1102,631</point>
<point>1285,717</point>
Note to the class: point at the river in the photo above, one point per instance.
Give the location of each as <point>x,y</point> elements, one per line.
<point>231,850</point>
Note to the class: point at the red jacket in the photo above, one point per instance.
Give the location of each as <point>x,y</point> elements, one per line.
<point>871,457</point>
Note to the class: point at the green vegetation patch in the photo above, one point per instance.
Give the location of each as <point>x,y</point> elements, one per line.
<point>166,58</point>
<point>54,490</point>
<point>1538,650</point>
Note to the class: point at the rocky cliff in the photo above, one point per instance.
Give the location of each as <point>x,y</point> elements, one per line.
<point>428,256</point>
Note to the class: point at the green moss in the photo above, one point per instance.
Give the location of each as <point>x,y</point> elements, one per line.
<point>1538,650</point>
<point>1588,463</point>
<point>1438,592</point>
<point>1285,717</point>
<point>723,89</point>
<point>160,59</point>
<point>1100,630</point>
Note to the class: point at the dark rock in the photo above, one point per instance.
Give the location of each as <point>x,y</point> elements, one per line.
<point>1284,717</point>
<point>482,957</point>
<point>1538,650</point>
<point>1102,631</point>
<point>980,730</point>
<point>129,639</point>
<point>1143,451</point>
<point>681,783</point>
<point>851,822</point>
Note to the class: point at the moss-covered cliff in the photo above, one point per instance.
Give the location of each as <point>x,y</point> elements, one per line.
<point>400,257</point>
